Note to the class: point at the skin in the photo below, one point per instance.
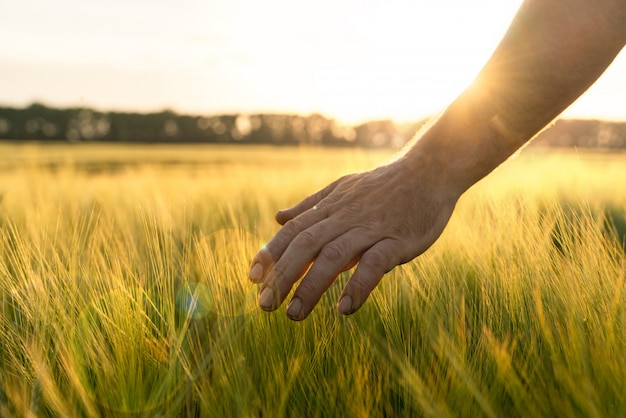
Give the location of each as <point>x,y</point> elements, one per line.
<point>553,51</point>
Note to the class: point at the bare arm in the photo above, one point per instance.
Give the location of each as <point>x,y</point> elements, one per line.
<point>554,50</point>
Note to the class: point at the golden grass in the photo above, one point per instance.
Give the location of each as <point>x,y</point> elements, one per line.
<point>124,292</point>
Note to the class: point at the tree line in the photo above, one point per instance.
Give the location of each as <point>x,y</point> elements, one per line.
<point>43,123</point>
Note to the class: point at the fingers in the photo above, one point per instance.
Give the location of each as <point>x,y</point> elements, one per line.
<point>265,259</point>
<point>334,258</point>
<point>293,263</point>
<point>374,263</point>
<point>309,202</point>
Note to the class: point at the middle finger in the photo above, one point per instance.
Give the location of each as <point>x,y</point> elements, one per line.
<point>293,263</point>
<point>263,261</point>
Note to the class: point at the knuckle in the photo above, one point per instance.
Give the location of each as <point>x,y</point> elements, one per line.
<point>305,239</point>
<point>308,289</point>
<point>331,199</point>
<point>333,252</point>
<point>374,260</point>
<point>291,228</point>
<point>278,275</point>
<point>350,210</point>
<point>353,208</point>
<point>375,220</point>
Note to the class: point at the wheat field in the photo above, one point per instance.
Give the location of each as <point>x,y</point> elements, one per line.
<point>123,291</point>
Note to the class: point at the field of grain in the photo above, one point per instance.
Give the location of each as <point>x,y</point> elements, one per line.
<point>123,291</point>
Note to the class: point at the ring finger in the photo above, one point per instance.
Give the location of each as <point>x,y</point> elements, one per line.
<point>334,258</point>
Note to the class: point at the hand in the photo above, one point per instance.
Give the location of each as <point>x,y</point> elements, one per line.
<point>378,219</point>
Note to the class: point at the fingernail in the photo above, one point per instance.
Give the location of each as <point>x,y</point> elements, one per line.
<point>256,272</point>
<point>266,298</point>
<point>294,308</point>
<point>345,305</point>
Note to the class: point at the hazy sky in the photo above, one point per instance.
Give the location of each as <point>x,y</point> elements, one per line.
<point>351,59</point>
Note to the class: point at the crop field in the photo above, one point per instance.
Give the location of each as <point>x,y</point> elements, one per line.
<point>124,291</point>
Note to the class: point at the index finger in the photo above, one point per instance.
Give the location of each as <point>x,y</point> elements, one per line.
<point>264,260</point>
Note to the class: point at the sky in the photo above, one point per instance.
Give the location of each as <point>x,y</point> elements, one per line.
<point>353,60</point>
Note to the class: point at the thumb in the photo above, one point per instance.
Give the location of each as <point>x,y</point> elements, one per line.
<point>284,215</point>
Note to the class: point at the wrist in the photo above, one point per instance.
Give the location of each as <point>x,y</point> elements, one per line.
<point>462,147</point>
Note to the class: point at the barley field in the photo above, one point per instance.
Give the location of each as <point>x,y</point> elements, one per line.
<point>123,291</point>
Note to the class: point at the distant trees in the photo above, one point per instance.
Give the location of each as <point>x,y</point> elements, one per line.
<point>584,134</point>
<point>39,122</point>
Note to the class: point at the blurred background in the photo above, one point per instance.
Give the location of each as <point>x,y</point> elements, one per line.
<point>345,72</point>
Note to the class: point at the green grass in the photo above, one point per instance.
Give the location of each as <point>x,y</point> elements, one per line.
<point>124,292</point>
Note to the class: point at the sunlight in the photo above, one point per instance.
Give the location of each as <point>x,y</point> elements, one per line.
<point>351,60</point>
<point>420,57</point>
<point>392,59</point>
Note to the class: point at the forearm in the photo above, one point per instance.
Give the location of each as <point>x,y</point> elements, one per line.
<point>381,218</point>
<point>553,51</point>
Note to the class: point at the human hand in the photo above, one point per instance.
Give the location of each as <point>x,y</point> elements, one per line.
<point>377,219</point>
